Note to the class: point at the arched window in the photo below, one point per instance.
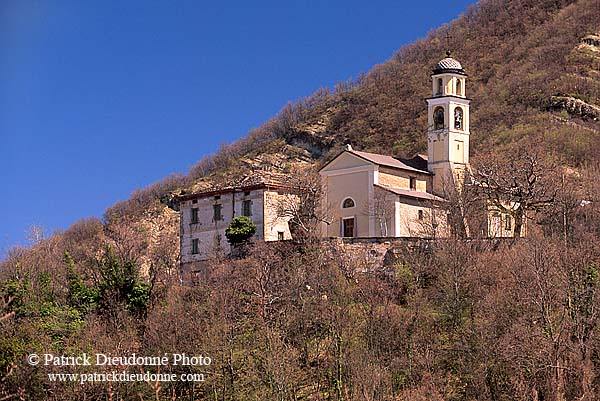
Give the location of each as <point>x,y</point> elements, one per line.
<point>348,202</point>
<point>458,118</point>
<point>459,87</point>
<point>438,118</point>
<point>440,86</point>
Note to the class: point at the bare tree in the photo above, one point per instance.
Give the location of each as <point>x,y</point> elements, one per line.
<point>381,208</point>
<point>516,184</point>
<point>35,234</point>
<point>464,206</point>
<point>127,239</point>
<point>303,210</point>
<point>559,217</point>
<point>5,303</point>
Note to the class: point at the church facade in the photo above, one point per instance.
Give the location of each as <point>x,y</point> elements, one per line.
<point>374,195</point>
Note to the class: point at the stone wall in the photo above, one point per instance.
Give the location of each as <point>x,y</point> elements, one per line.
<point>401,179</point>
<point>381,253</point>
<point>378,253</point>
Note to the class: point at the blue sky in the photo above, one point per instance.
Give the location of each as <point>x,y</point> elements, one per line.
<point>99,98</point>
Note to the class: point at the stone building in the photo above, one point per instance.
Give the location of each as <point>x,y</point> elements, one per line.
<point>501,225</point>
<point>205,215</point>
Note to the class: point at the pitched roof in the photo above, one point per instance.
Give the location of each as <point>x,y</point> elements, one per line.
<point>384,160</point>
<point>412,193</point>
<point>258,179</point>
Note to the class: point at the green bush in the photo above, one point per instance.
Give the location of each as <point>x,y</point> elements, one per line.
<point>81,296</point>
<point>240,230</point>
<point>138,297</point>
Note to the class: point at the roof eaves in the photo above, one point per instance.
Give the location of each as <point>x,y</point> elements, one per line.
<point>412,194</point>
<point>352,152</point>
<point>402,166</point>
<point>229,189</point>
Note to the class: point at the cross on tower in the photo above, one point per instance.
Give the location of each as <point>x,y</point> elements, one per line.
<point>448,37</point>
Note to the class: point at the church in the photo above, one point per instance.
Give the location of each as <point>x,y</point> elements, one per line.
<point>374,195</point>
<point>365,195</point>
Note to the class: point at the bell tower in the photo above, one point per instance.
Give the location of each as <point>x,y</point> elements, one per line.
<point>448,124</point>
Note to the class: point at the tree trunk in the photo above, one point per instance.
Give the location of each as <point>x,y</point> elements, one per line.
<point>519,218</point>
<point>587,376</point>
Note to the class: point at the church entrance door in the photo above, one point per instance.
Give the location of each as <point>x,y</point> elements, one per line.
<point>348,227</point>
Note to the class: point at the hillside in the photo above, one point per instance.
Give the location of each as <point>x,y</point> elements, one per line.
<point>524,60</point>
<point>297,323</point>
<point>529,74</point>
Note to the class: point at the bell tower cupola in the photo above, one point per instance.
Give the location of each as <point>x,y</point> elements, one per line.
<point>448,124</point>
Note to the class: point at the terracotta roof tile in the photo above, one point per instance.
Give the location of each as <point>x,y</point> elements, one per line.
<point>384,160</point>
<point>254,180</point>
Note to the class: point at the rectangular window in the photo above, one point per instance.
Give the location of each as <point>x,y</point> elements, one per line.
<point>247,193</point>
<point>195,246</point>
<point>421,214</point>
<point>194,216</point>
<point>195,201</point>
<point>497,221</point>
<point>280,236</point>
<point>413,183</point>
<point>507,222</point>
<point>217,213</point>
<point>247,208</point>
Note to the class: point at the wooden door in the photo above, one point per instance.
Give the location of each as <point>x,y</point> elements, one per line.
<point>348,227</point>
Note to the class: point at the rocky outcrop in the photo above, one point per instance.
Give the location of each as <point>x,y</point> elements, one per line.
<point>574,107</point>
<point>315,144</point>
<point>591,40</point>
<point>311,135</point>
<point>160,227</point>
